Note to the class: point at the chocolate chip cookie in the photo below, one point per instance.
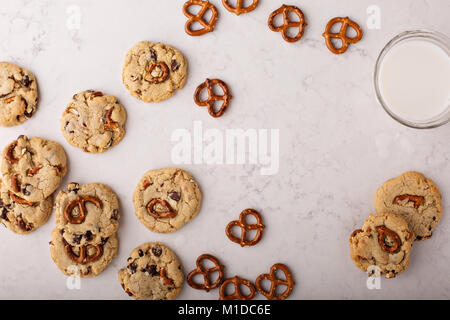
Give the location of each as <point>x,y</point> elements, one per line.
<point>93,121</point>
<point>18,94</point>
<point>82,260</point>
<point>87,213</point>
<point>414,197</point>
<point>383,242</point>
<point>153,72</point>
<point>153,272</point>
<point>33,168</point>
<point>166,199</point>
<point>21,216</point>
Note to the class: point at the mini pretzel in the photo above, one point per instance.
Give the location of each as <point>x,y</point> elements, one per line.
<point>96,94</point>
<point>80,201</point>
<point>237,294</point>
<point>205,272</point>
<point>32,172</point>
<point>166,280</point>
<point>209,102</point>
<point>287,23</point>
<point>259,226</point>
<point>10,153</point>
<point>165,72</point>
<point>240,6</point>
<point>418,200</point>
<point>83,257</point>
<point>19,200</point>
<point>383,232</point>
<point>15,184</point>
<point>274,282</point>
<point>110,124</point>
<point>342,34</point>
<point>192,18</point>
<point>169,213</point>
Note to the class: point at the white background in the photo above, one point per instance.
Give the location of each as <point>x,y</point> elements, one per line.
<point>337,145</point>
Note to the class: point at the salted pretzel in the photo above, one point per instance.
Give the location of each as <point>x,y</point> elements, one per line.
<point>80,202</point>
<point>212,97</point>
<point>259,226</point>
<point>20,200</point>
<point>237,293</point>
<point>287,23</point>
<point>205,272</point>
<point>83,257</point>
<point>168,213</point>
<point>163,77</point>
<point>384,232</point>
<point>274,282</point>
<point>208,26</point>
<point>418,200</point>
<point>239,9</point>
<point>110,124</point>
<point>342,34</point>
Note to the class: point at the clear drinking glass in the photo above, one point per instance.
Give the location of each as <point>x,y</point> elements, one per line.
<point>436,38</point>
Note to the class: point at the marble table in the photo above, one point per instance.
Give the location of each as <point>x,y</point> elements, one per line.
<point>336,145</point>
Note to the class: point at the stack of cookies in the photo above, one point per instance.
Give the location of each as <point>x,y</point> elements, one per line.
<point>32,170</point>
<point>85,241</point>
<point>408,209</point>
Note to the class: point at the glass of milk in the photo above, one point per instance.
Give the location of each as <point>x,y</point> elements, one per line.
<point>412,79</point>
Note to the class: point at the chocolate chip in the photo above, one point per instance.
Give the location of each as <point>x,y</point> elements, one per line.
<point>26,81</point>
<point>151,270</point>
<point>26,190</point>
<point>115,214</point>
<point>4,215</point>
<point>104,241</point>
<point>88,235</point>
<point>129,258</point>
<point>1,203</point>
<point>419,237</point>
<point>141,253</point>
<point>157,251</point>
<point>434,218</point>
<point>132,267</point>
<point>61,232</point>
<point>175,65</point>
<point>77,238</point>
<point>174,196</point>
<point>153,55</point>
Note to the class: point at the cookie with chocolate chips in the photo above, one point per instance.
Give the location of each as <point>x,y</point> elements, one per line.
<point>153,272</point>
<point>18,94</point>
<point>93,121</point>
<point>21,216</point>
<point>33,168</point>
<point>154,71</point>
<point>415,198</point>
<point>383,245</point>
<point>82,261</point>
<point>166,199</point>
<point>87,213</point>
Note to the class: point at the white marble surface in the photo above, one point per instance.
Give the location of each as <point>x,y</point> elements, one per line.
<point>337,145</point>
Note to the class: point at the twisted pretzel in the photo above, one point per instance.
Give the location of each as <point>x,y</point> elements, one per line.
<point>418,200</point>
<point>163,77</point>
<point>10,153</point>
<point>208,26</point>
<point>20,200</point>
<point>342,34</point>
<point>287,23</point>
<point>110,124</point>
<point>83,257</point>
<point>237,294</point>
<point>209,102</point>
<point>383,232</point>
<point>240,6</point>
<point>274,282</point>
<point>259,226</point>
<point>80,201</point>
<point>205,272</point>
<point>169,213</point>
